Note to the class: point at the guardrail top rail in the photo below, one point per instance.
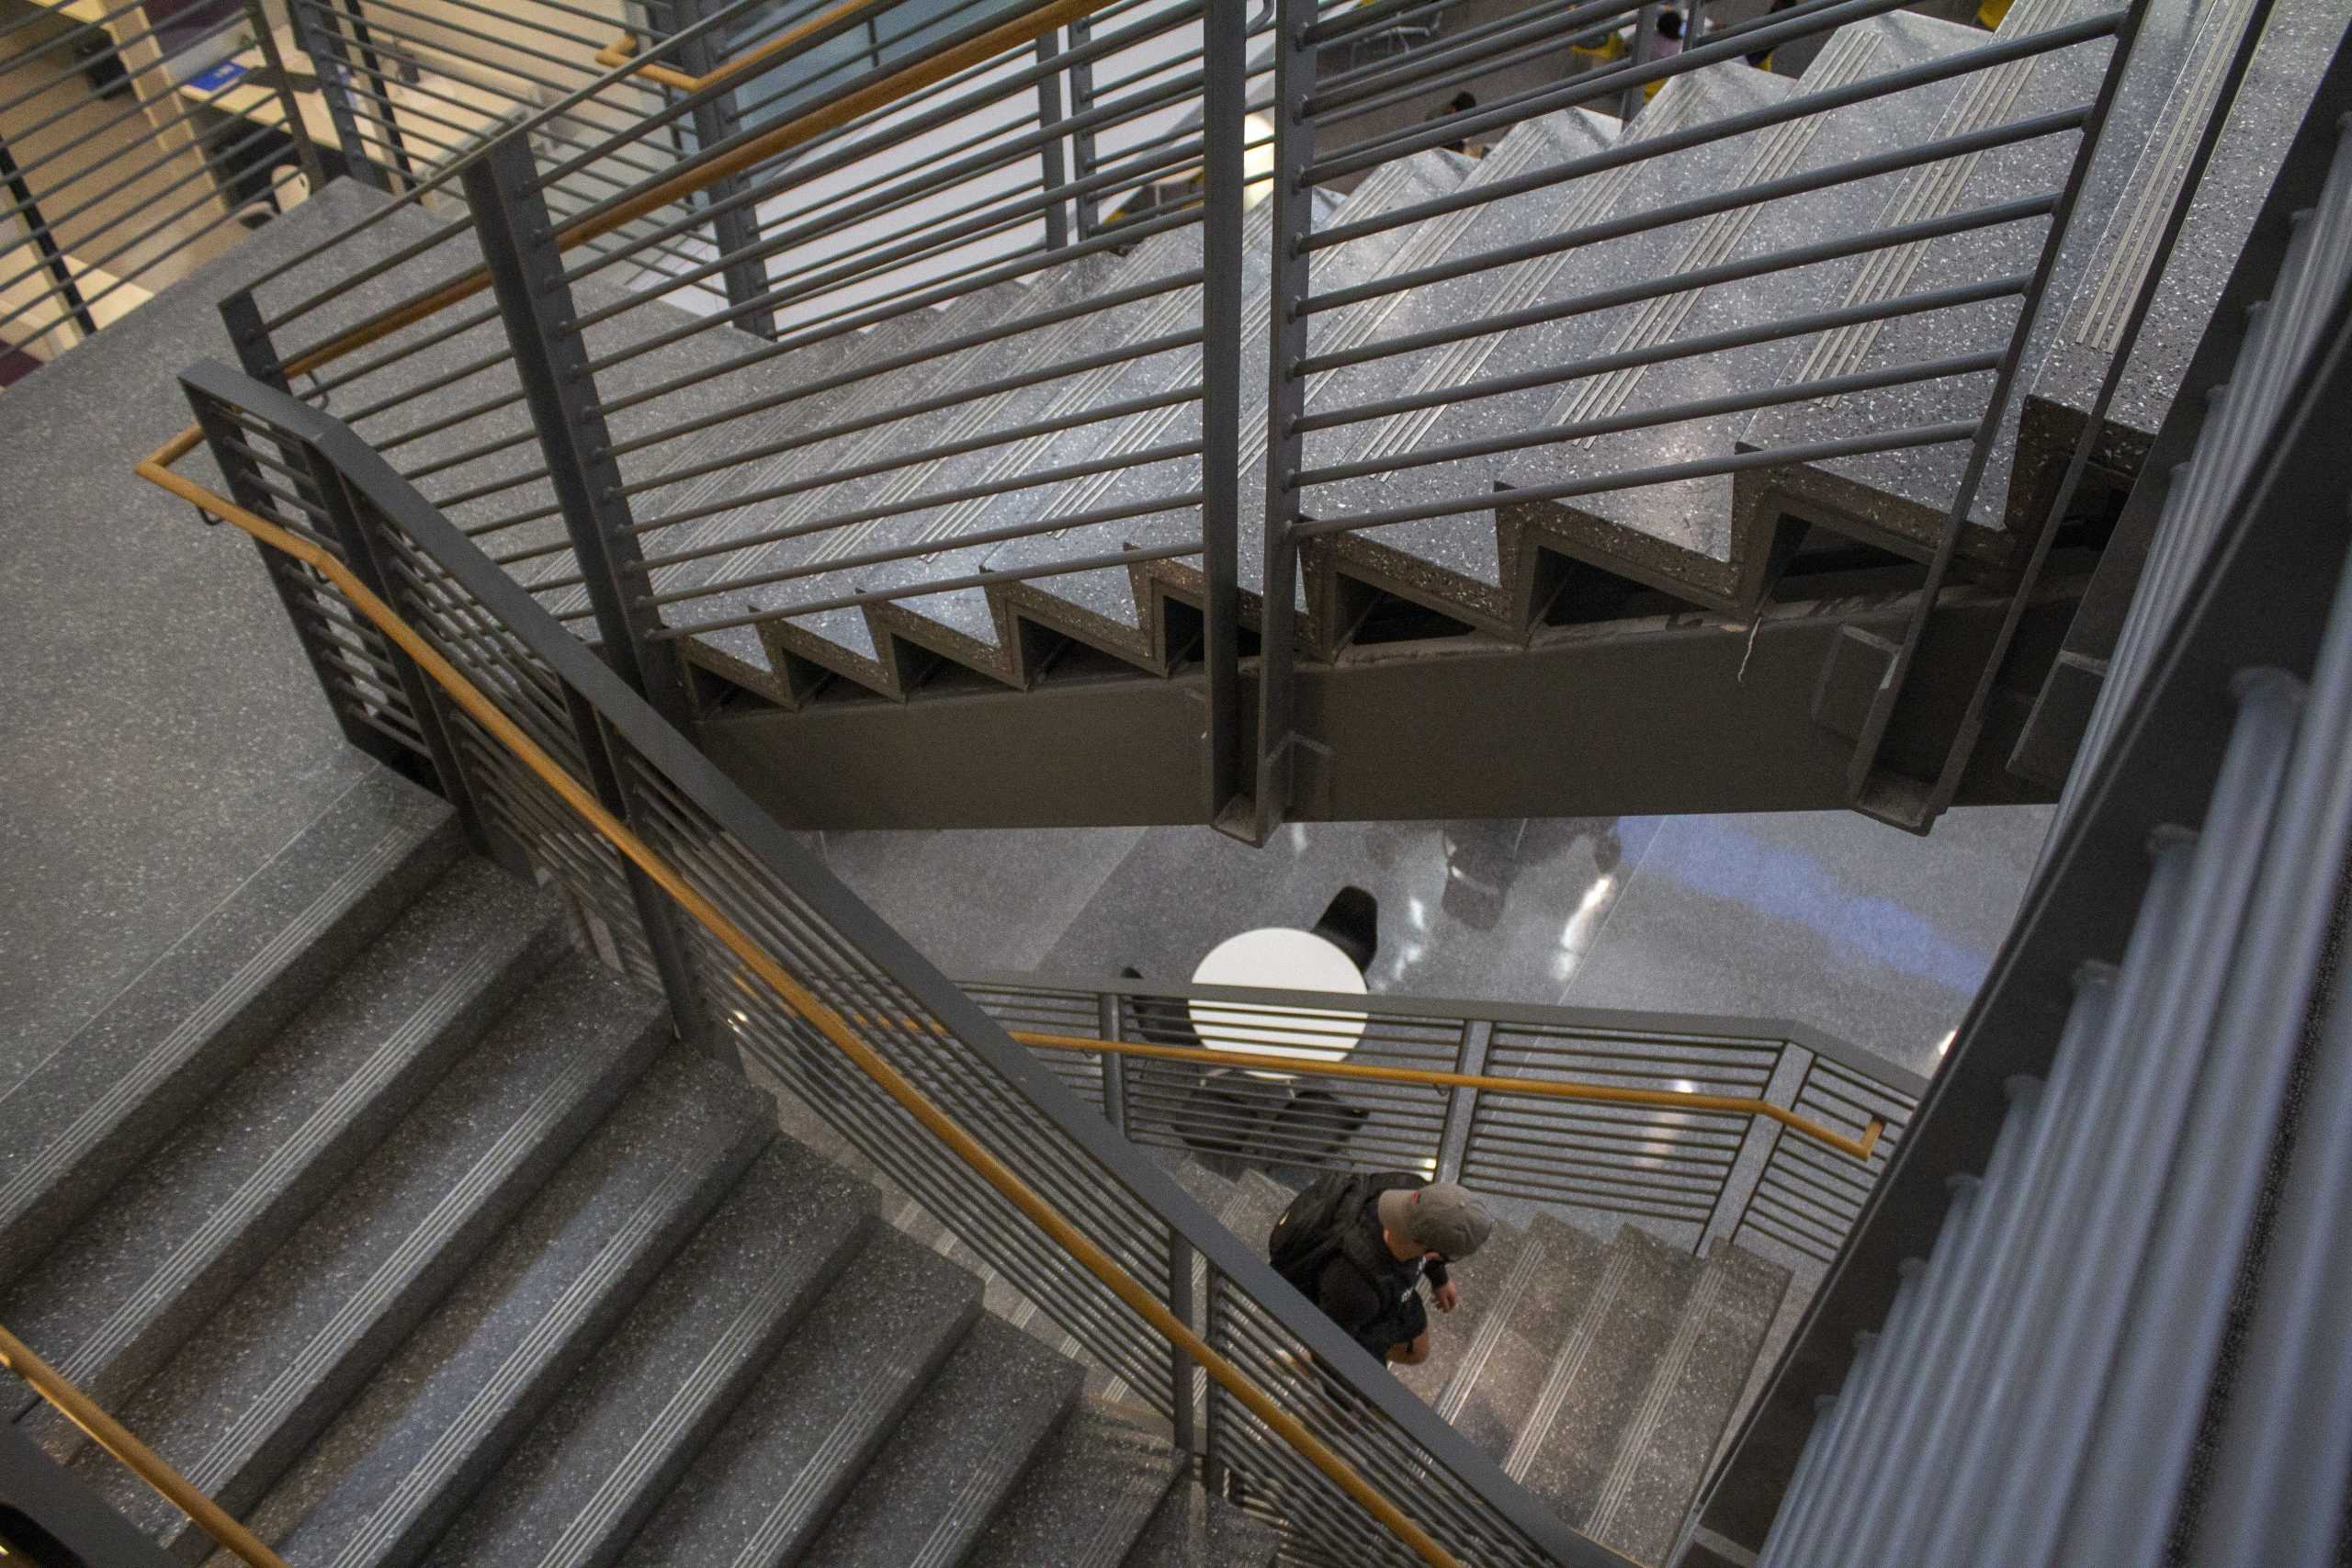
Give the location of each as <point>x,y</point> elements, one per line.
<point>544,742</point>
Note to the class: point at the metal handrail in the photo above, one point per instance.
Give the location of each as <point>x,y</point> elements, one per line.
<point>1859,1148</point>
<point>697,176</point>
<point>805,1004</point>
<point>622,51</point>
<point>135,1456</point>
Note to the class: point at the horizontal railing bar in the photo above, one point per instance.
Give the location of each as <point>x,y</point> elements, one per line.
<point>1473,71</point>
<point>1851,171</point>
<point>1857,314</point>
<point>954,584</point>
<point>444,380</point>
<point>1013,268</point>
<point>433,427</point>
<point>1665,473</point>
<point>155,130</point>
<point>1796,256</point>
<point>1646,419</point>
<point>1041,375</point>
<point>1345,23</point>
<point>1543,20</point>
<point>115,50</point>
<point>474,454</point>
<point>1800,107</point>
<point>925,352</point>
<point>949,498</point>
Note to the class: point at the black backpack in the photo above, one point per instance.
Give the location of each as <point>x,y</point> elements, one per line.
<point>1316,1225</point>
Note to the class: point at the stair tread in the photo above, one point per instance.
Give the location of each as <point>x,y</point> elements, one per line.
<point>1907,492</point>
<point>447,1408</point>
<point>172,1240</point>
<point>1694,518</point>
<point>1594,1391</point>
<point>1498,1367</point>
<point>1085,1500</point>
<point>1664,1456</point>
<point>932,1491</point>
<point>1192,1529</point>
<point>243,1399</point>
<point>81,1118</point>
<point>637,1418</point>
<point>769,1479</point>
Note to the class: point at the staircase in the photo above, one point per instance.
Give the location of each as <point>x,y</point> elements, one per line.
<point>408,1233</point>
<point>908,511</point>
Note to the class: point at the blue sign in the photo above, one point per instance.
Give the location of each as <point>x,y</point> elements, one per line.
<point>220,76</point>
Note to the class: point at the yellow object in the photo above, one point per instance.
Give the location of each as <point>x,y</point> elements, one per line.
<point>1989,13</point>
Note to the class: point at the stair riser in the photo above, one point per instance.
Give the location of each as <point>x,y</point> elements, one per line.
<point>171,1307</point>
<point>317,926</point>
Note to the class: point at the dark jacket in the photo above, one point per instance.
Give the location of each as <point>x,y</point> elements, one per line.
<point>1367,1290</point>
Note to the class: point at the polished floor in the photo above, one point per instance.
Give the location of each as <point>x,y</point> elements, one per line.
<point>1820,916</point>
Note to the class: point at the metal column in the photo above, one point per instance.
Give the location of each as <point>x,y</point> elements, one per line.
<point>1225,99</point>
<point>736,227</point>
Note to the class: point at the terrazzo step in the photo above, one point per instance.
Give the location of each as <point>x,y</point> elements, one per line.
<point>965,625</point>
<point>1192,1529</point>
<point>247,1396</point>
<point>1663,1456</point>
<point>91,1111</point>
<point>444,1413</point>
<point>639,1415</point>
<point>738,652</point>
<point>1679,537</point>
<point>1592,1392</point>
<point>930,1494</point>
<point>841,641</point>
<point>1125,610</point>
<point>147,1263</point>
<point>1087,1498</point>
<point>766,1483</point>
<point>1488,1285</point>
<point>2297,40</point>
<point>1494,1375</point>
<point>1899,500</point>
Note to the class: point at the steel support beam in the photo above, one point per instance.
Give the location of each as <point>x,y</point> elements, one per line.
<point>1696,717</point>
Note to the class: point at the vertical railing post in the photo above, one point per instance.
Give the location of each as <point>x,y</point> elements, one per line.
<point>1082,160</point>
<point>1049,155</point>
<point>525,269</point>
<point>1875,793</point>
<point>1225,99</point>
<point>734,225</point>
<point>1462,1105</point>
<point>435,721</point>
<point>1630,101</point>
<point>320,32</point>
<point>306,151</point>
<point>1181,1372</point>
<point>1114,1067</point>
<point>1215,1439</point>
<point>661,922</point>
<point>1285,402</point>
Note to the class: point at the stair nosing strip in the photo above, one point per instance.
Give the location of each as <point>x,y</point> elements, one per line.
<point>203,1244</point>
<point>424,1239</point>
<point>484,1411</point>
<point>338,896</point>
<point>860,1421</point>
<point>1515,1286</point>
<point>1617,1485</point>
<point>1566,1367</point>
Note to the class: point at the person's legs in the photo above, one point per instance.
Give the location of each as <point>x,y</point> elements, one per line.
<point>1411,1345</point>
<point>1412,1353</point>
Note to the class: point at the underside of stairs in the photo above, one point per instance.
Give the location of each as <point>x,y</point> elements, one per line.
<point>1706,627</point>
<point>411,1236</point>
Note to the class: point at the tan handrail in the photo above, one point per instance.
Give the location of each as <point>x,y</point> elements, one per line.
<point>135,1456</point>
<point>830,115</point>
<point>1549,1089</point>
<point>622,50</point>
<point>799,998</point>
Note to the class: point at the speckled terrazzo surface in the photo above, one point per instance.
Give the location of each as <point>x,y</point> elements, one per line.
<point>164,736</point>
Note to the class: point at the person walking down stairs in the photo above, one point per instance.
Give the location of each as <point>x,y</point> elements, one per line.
<point>1359,1246</point>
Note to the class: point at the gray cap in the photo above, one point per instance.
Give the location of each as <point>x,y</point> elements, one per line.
<point>1440,1217</point>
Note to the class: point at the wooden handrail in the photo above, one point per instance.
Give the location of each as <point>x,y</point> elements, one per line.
<point>804,1003</point>
<point>1549,1089</point>
<point>1346,1067</point>
<point>622,50</point>
<point>830,115</point>
<point>135,1456</point>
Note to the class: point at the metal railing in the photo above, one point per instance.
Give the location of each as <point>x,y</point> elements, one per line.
<point>1709,1128</point>
<point>132,151</point>
<point>559,768</point>
<point>120,1443</point>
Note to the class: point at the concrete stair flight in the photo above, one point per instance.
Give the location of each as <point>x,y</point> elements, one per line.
<point>408,1233</point>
